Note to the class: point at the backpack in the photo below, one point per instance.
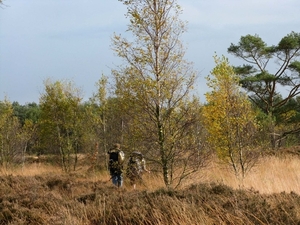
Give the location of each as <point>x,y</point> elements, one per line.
<point>135,163</point>
<point>121,157</point>
<point>116,159</point>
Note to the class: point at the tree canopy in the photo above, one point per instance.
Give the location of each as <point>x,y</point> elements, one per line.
<point>61,121</point>
<point>260,78</point>
<point>271,74</point>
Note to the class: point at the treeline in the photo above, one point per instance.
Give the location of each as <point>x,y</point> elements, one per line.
<point>62,124</point>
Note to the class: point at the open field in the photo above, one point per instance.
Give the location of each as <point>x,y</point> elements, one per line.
<point>42,194</point>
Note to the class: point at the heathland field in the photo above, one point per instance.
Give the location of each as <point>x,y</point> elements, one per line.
<point>39,193</point>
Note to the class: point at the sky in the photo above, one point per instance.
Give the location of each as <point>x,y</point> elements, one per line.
<point>71,39</point>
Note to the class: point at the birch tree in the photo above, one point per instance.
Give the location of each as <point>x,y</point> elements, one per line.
<point>9,129</point>
<point>61,121</point>
<point>230,120</point>
<point>153,86</point>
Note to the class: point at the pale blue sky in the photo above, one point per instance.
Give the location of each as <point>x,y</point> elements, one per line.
<point>70,39</point>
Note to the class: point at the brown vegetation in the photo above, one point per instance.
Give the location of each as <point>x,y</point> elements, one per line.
<point>39,193</point>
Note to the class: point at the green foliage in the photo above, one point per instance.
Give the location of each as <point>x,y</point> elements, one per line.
<point>9,127</point>
<point>250,47</point>
<point>14,138</point>
<point>229,119</point>
<point>295,66</point>
<point>264,87</point>
<point>290,42</point>
<point>61,121</point>
<point>29,111</point>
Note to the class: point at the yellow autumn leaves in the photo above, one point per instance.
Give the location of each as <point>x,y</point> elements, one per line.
<point>229,118</point>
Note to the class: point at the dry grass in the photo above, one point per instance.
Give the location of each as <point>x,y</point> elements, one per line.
<point>30,170</point>
<point>43,194</point>
<point>272,175</point>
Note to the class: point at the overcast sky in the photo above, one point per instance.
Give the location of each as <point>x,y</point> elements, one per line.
<point>70,39</point>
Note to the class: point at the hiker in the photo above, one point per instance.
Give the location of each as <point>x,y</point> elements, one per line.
<point>115,165</point>
<point>135,168</point>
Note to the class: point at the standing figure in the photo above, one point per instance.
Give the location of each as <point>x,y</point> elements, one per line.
<point>115,165</point>
<point>135,168</point>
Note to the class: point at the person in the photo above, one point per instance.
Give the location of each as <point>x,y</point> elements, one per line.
<point>115,165</point>
<point>135,168</point>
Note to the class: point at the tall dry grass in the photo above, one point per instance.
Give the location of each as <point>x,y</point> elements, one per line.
<point>272,174</point>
